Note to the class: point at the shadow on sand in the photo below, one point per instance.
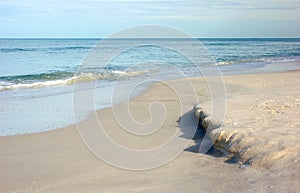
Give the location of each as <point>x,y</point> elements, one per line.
<point>193,129</point>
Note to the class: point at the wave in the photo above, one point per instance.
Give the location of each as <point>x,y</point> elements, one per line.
<point>131,73</point>
<point>61,79</point>
<point>45,49</point>
<point>33,77</point>
<point>224,63</point>
<point>260,60</point>
<point>54,82</point>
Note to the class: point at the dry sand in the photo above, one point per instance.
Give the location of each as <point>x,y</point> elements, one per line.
<point>261,125</point>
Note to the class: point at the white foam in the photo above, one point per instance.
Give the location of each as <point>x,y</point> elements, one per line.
<point>85,77</point>
<point>75,79</point>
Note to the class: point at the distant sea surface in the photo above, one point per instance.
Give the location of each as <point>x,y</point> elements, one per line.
<point>36,75</point>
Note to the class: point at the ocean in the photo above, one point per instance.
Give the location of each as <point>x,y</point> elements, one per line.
<point>37,75</point>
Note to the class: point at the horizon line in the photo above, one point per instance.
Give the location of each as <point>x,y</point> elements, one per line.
<point>149,38</point>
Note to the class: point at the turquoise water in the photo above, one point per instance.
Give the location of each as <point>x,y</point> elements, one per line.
<point>36,75</point>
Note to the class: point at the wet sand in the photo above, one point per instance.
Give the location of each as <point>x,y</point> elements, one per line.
<point>261,125</point>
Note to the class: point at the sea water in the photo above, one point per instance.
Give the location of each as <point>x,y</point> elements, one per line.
<point>37,75</point>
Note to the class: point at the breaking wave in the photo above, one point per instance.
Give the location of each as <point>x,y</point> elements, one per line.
<point>60,79</point>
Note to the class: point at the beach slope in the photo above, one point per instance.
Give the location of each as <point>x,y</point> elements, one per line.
<point>262,111</point>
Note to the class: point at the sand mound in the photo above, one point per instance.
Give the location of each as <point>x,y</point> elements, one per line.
<point>261,127</point>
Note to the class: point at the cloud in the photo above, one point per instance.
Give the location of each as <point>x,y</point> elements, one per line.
<point>228,3</point>
<point>274,8</point>
<point>132,12</point>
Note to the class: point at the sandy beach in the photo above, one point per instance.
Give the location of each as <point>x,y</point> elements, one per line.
<point>259,141</point>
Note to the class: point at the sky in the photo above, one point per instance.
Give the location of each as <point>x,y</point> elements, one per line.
<point>100,18</point>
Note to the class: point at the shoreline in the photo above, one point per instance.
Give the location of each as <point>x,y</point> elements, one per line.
<point>146,89</point>
<point>58,160</point>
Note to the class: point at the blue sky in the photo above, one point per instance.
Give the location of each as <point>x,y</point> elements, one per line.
<point>100,18</point>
